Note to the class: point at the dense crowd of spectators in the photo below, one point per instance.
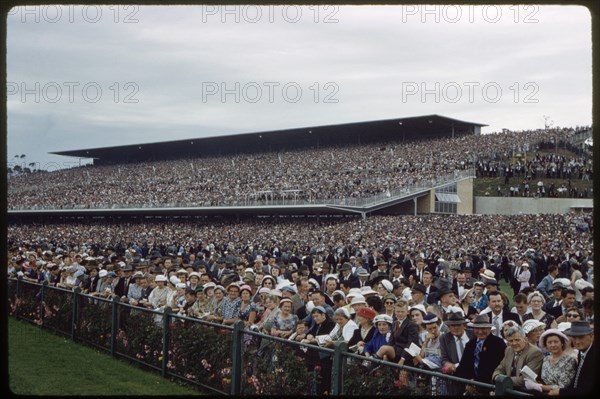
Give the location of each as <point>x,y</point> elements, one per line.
<point>559,235</point>
<point>524,178</point>
<point>351,171</point>
<point>379,284</point>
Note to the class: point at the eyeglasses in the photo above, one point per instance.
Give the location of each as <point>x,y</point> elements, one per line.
<point>572,315</point>
<point>389,302</point>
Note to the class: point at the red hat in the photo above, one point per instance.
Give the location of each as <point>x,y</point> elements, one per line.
<point>367,313</point>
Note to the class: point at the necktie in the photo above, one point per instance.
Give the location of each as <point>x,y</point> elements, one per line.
<point>513,370</point>
<point>338,335</point>
<point>496,324</point>
<point>478,348</point>
<point>579,368</point>
<point>460,347</point>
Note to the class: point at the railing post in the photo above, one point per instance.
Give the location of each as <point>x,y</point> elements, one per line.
<point>337,371</point>
<point>236,359</point>
<point>502,383</point>
<point>17,295</point>
<point>115,325</point>
<point>74,318</point>
<point>166,339</point>
<point>42,292</point>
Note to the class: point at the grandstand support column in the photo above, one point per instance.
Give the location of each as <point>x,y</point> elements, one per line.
<point>415,207</point>
<point>363,215</point>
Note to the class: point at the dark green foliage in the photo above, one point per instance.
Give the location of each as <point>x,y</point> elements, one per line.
<point>95,324</point>
<point>201,353</point>
<point>279,370</point>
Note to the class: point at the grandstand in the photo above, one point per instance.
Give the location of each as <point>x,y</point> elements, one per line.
<point>359,133</point>
<point>413,166</point>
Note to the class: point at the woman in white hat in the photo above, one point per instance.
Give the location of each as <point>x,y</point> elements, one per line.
<point>558,368</point>
<point>158,296</point>
<point>383,323</point>
<point>533,329</point>
<point>343,330</point>
<point>416,314</point>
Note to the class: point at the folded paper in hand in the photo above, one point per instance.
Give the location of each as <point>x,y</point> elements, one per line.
<point>431,364</point>
<point>528,373</point>
<point>413,349</point>
<point>321,339</point>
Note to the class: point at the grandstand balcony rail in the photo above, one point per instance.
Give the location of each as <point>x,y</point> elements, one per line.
<point>580,137</point>
<point>247,201</point>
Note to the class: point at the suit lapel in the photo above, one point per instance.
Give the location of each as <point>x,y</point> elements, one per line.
<point>452,347</point>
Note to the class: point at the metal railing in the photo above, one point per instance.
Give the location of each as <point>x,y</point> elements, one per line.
<point>223,359</point>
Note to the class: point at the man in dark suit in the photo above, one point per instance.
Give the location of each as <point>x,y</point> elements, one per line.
<point>556,296</point>
<point>582,338</point>
<point>482,354</point>
<point>346,275</point>
<point>420,268</point>
<point>381,270</point>
<point>499,313</point>
<point>122,287</point>
<point>453,342</point>
<point>467,263</point>
<point>452,346</point>
<point>568,301</point>
<point>429,287</point>
<point>217,273</point>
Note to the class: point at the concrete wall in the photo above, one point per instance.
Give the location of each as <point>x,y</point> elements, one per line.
<point>515,206</point>
<point>465,193</point>
<point>426,204</point>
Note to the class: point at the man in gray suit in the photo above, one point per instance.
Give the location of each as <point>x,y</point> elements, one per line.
<point>452,346</point>
<point>518,354</point>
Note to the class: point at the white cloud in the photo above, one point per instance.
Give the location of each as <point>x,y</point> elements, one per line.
<point>369,56</point>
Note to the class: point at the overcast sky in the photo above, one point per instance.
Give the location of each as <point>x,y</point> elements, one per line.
<point>84,77</point>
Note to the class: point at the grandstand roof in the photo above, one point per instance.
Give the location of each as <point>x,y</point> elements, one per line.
<point>304,137</point>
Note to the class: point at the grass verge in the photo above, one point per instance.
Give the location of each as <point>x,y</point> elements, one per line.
<point>41,363</point>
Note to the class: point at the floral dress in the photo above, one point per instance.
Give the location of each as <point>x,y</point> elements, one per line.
<point>285,324</point>
<point>245,313</point>
<point>560,373</point>
<point>480,303</point>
